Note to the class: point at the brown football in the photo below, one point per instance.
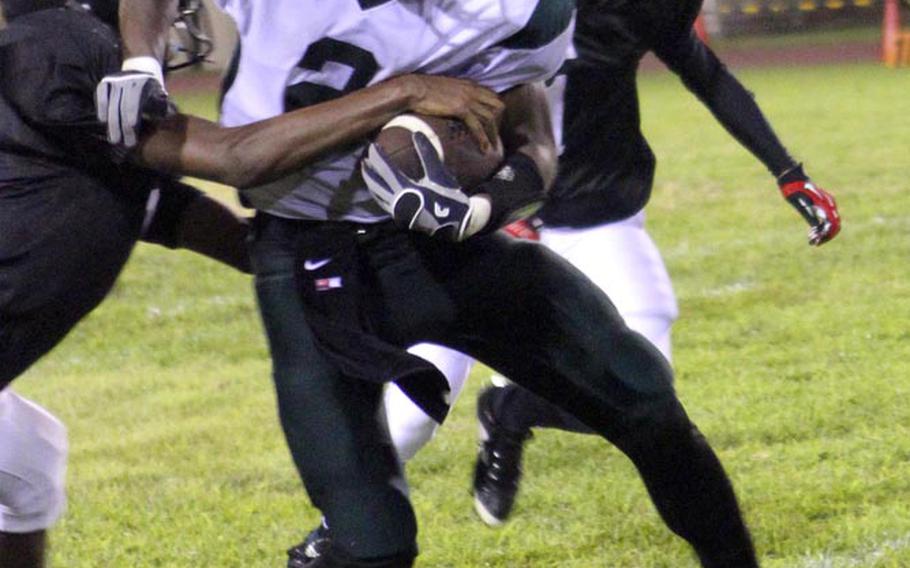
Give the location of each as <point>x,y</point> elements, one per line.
<point>460,152</point>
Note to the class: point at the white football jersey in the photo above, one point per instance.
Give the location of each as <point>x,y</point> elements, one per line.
<point>295,53</point>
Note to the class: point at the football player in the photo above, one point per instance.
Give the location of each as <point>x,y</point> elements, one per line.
<point>594,214</point>
<point>343,290</point>
<point>594,218</point>
<point>72,207</point>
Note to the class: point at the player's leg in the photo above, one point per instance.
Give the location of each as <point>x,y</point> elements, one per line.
<point>33,448</point>
<point>61,250</point>
<point>410,427</point>
<point>23,550</point>
<point>507,415</point>
<point>330,422</point>
<point>581,356</point>
<point>622,260</point>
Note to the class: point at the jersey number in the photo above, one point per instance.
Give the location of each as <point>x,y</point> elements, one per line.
<point>327,51</point>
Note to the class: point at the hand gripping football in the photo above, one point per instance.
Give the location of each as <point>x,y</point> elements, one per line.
<point>453,142</point>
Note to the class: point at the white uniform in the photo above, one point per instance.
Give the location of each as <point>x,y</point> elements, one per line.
<point>33,448</point>
<point>620,257</point>
<point>299,52</point>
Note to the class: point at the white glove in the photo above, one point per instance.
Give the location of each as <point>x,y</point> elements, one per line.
<point>123,99</point>
<point>434,204</point>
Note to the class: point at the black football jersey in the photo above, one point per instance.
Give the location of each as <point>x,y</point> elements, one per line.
<point>606,168</point>
<point>50,62</point>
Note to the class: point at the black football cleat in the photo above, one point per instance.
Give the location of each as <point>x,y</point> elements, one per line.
<point>497,471</point>
<point>313,546</point>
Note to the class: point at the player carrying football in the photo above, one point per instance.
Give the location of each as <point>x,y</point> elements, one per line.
<point>72,207</point>
<point>594,214</point>
<point>338,328</point>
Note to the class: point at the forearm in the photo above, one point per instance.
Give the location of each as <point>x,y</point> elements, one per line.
<point>518,189</point>
<point>735,108</point>
<point>144,26</point>
<point>186,218</point>
<point>268,150</point>
<point>730,103</point>
<point>526,129</point>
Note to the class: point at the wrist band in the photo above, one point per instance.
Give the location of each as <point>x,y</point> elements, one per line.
<point>516,191</point>
<point>794,174</point>
<point>145,64</point>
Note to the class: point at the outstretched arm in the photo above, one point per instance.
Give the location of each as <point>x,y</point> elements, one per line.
<point>727,99</point>
<point>260,152</point>
<point>735,108</point>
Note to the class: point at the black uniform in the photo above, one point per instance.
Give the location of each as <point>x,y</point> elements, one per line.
<point>70,209</point>
<point>606,169</point>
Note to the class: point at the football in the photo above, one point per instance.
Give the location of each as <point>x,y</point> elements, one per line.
<point>452,140</point>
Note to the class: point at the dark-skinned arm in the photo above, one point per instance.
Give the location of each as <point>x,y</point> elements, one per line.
<point>144,26</point>
<point>264,151</point>
<point>518,189</point>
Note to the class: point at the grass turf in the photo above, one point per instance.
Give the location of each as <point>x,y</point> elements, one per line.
<point>792,360</point>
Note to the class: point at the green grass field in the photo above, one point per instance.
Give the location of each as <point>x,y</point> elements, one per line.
<point>793,361</point>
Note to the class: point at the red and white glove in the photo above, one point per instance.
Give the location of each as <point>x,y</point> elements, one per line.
<point>522,229</point>
<point>816,205</point>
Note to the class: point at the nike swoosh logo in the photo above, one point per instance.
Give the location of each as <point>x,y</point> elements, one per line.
<point>315,264</point>
<point>440,211</point>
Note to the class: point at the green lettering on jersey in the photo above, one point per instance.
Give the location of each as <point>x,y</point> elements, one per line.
<point>549,20</point>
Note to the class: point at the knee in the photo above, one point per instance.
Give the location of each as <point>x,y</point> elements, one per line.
<point>32,475</point>
<point>658,423</point>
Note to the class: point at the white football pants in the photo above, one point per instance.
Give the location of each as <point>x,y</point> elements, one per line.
<point>33,448</point>
<point>619,257</point>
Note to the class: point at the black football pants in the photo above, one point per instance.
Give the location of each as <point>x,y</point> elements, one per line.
<point>523,311</point>
<point>62,246</point>
<point>61,249</point>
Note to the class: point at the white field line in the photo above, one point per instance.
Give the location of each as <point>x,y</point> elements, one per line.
<point>862,557</point>
<point>182,307</point>
<point>726,290</point>
<point>685,250</point>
